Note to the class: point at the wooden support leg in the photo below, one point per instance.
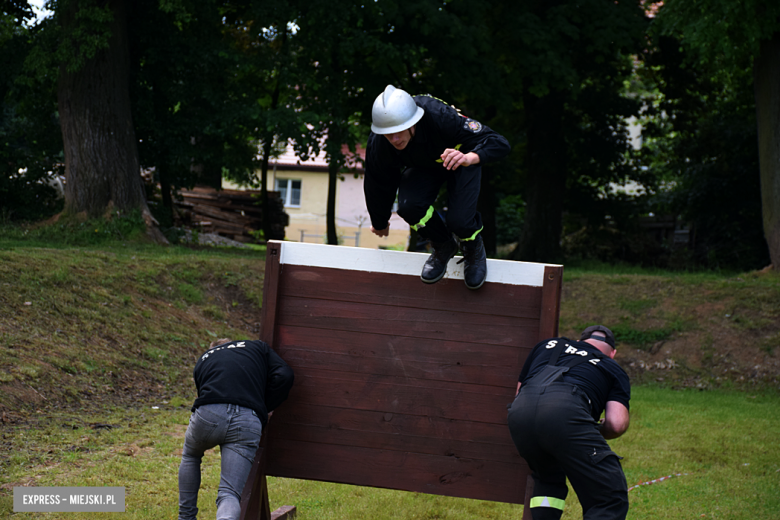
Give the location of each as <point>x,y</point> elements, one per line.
<point>254,498</point>
<point>529,491</point>
<point>284,513</point>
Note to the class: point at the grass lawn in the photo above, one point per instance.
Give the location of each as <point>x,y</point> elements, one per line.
<point>98,341</point>
<point>720,445</point>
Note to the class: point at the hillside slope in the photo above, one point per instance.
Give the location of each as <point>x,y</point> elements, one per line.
<point>122,326</point>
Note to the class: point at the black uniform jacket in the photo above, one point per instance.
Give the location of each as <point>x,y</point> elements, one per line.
<point>605,381</point>
<point>245,373</point>
<point>441,127</point>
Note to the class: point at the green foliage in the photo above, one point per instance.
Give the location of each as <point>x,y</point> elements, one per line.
<point>701,137</point>
<point>509,219</point>
<point>27,198</point>
<point>30,138</point>
<point>724,34</point>
<point>87,31</point>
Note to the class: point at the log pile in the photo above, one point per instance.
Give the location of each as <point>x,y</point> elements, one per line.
<point>230,213</point>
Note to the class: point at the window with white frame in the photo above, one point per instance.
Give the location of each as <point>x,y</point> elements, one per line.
<point>290,191</point>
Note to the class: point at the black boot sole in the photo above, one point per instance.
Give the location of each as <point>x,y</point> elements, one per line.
<point>435,279</point>
<point>474,288</point>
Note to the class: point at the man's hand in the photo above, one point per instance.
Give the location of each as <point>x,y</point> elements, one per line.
<point>615,421</point>
<point>452,159</point>
<point>381,232</point>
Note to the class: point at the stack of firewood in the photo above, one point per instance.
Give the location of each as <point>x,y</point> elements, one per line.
<point>235,214</point>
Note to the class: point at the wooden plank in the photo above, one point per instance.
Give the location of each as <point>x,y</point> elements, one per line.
<point>322,426</point>
<point>518,301</point>
<point>400,321</point>
<point>551,299</point>
<point>284,513</point>
<point>529,492</point>
<point>226,228</point>
<point>440,475</point>
<point>402,356</point>
<point>254,497</point>
<point>398,395</point>
<point>270,293</point>
<point>227,216</point>
<point>231,207</point>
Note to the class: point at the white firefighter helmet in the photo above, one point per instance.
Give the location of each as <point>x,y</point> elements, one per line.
<point>394,111</point>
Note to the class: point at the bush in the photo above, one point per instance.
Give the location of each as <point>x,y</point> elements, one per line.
<point>28,197</point>
<point>510,214</point>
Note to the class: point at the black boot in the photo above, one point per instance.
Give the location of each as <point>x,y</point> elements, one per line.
<point>436,265</point>
<point>476,262</point>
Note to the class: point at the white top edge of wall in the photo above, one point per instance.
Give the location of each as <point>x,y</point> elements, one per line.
<point>403,262</point>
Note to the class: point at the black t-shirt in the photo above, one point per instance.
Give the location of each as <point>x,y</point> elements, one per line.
<point>602,382</point>
<point>245,373</point>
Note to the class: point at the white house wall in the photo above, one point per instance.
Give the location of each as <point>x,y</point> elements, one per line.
<point>309,221</point>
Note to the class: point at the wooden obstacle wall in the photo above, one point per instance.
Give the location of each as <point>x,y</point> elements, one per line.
<point>400,384</point>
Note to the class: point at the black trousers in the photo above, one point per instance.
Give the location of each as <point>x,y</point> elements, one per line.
<point>418,191</point>
<point>555,433</point>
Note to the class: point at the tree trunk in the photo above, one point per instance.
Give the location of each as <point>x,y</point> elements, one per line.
<point>545,180</point>
<point>333,176</point>
<point>101,154</point>
<point>266,213</point>
<point>766,75</point>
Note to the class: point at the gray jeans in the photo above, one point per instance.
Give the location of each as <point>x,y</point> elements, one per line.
<point>236,430</point>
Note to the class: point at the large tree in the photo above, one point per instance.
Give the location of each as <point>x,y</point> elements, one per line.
<point>731,36</point>
<point>102,168</point>
<point>564,65</point>
<point>194,104</point>
<point>699,137</point>
<point>275,67</point>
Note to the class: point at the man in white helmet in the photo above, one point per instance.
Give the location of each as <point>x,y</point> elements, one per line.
<point>416,146</point>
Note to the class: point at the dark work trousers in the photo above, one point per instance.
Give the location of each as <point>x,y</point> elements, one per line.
<point>555,433</point>
<point>418,191</point>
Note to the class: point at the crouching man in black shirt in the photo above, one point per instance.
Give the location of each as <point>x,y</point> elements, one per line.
<point>554,421</point>
<point>239,383</point>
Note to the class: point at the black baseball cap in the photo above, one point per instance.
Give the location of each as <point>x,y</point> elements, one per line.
<point>599,332</point>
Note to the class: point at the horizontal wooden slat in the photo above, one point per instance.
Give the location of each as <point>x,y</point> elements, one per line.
<point>401,321</point>
<point>492,365</point>
<point>323,426</point>
<point>517,301</point>
<point>440,475</point>
<point>399,395</point>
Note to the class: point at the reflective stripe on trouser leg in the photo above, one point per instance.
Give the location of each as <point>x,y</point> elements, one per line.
<point>472,237</point>
<point>555,503</point>
<point>425,220</point>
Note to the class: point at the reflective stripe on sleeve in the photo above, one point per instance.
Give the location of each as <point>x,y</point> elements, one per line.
<point>555,503</point>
